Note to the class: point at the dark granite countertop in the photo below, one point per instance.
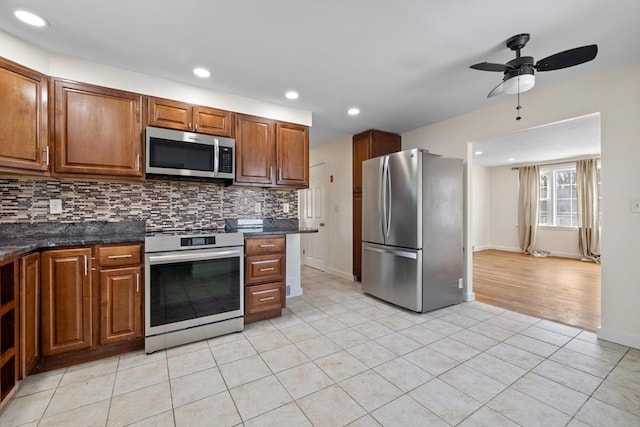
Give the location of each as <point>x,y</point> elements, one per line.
<point>20,239</point>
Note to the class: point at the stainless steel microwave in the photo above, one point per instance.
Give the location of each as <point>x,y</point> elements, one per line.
<point>172,152</point>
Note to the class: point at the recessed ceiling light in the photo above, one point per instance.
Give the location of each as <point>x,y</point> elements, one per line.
<point>30,18</point>
<point>201,72</point>
<point>353,111</point>
<point>478,153</point>
<point>292,94</point>
<point>511,159</point>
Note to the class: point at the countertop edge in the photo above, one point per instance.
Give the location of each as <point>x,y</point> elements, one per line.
<point>17,248</point>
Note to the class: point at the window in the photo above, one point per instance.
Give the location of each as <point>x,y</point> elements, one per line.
<point>558,199</point>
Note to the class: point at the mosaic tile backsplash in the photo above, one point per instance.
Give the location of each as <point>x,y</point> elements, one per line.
<point>161,203</point>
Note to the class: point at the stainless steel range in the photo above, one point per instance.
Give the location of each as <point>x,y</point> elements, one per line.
<point>193,287</point>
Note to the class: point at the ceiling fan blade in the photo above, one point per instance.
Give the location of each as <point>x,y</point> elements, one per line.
<point>568,58</point>
<point>488,66</point>
<point>498,90</point>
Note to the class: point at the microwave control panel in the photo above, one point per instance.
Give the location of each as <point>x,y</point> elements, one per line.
<point>226,159</point>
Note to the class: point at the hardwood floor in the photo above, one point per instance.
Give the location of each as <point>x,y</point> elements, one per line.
<point>558,289</point>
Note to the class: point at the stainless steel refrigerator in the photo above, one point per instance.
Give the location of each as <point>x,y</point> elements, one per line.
<point>412,229</point>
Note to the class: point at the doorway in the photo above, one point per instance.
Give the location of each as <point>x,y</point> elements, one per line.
<point>493,165</point>
<point>313,214</point>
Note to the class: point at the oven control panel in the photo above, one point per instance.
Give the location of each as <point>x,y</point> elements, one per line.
<point>198,241</point>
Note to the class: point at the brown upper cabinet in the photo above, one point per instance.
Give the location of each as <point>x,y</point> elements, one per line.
<point>97,131</point>
<point>370,144</point>
<point>292,148</point>
<point>23,121</point>
<point>167,113</point>
<point>271,153</point>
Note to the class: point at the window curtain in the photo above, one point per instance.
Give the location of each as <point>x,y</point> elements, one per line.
<point>528,199</point>
<point>588,215</point>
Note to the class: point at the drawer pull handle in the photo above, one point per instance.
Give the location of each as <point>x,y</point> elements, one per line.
<point>267,269</point>
<point>267,246</point>
<point>119,256</point>
<point>268,291</point>
<point>137,282</point>
<point>267,299</point>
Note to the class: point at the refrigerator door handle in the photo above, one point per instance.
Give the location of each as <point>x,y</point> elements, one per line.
<point>382,204</point>
<point>403,254</point>
<point>388,197</point>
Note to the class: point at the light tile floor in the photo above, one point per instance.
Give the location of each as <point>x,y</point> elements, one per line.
<point>339,357</point>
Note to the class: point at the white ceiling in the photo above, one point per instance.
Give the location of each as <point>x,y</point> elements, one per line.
<point>569,139</point>
<point>405,64</point>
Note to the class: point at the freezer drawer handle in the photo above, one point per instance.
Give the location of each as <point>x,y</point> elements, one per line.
<point>398,253</point>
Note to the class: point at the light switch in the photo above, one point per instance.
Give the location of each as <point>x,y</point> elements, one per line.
<point>635,205</point>
<point>285,207</point>
<point>257,207</point>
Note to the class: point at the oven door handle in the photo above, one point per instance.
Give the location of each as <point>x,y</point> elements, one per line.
<point>160,259</point>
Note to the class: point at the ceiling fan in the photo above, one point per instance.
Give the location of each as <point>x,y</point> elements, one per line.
<point>519,73</point>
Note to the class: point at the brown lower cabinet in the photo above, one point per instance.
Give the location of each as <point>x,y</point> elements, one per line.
<point>120,304</point>
<point>265,271</point>
<point>66,301</point>
<point>29,312</point>
<point>91,301</point>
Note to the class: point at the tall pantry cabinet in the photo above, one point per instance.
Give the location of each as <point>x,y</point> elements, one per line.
<point>366,145</point>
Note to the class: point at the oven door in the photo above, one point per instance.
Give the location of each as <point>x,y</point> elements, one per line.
<point>189,288</point>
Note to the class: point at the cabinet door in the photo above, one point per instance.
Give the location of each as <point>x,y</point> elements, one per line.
<point>120,304</point>
<point>66,301</point>
<point>255,150</point>
<point>212,121</point>
<point>170,114</point>
<point>23,121</point>
<point>360,154</point>
<point>29,312</point>
<point>292,148</point>
<point>98,131</point>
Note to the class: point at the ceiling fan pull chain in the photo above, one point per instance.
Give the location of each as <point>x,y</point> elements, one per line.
<point>518,107</point>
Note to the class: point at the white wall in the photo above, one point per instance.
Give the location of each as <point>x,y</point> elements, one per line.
<point>88,72</point>
<point>504,209</point>
<point>615,93</point>
<point>481,207</point>
<point>338,160</point>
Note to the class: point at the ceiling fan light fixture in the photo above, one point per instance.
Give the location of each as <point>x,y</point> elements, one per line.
<point>519,84</point>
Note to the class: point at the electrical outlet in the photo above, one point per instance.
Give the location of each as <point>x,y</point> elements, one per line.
<point>55,206</point>
<point>635,205</point>
<point>257,207</point>
<point>285,207</point>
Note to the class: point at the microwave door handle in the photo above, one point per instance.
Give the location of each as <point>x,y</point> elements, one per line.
<point>216,156</point>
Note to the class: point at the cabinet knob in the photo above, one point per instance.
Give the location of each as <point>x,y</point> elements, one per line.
<point>321,224</point>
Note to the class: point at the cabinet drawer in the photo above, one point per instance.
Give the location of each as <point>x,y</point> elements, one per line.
<point>265,268</point>
<point>109,256</point>
<point>264,245</point>
<point>263,297</point>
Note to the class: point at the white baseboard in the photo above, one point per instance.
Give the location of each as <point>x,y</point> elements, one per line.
<point>469,296</point>
<point>618,337</point>
<point>481,248</point>
<point>341,274</point>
